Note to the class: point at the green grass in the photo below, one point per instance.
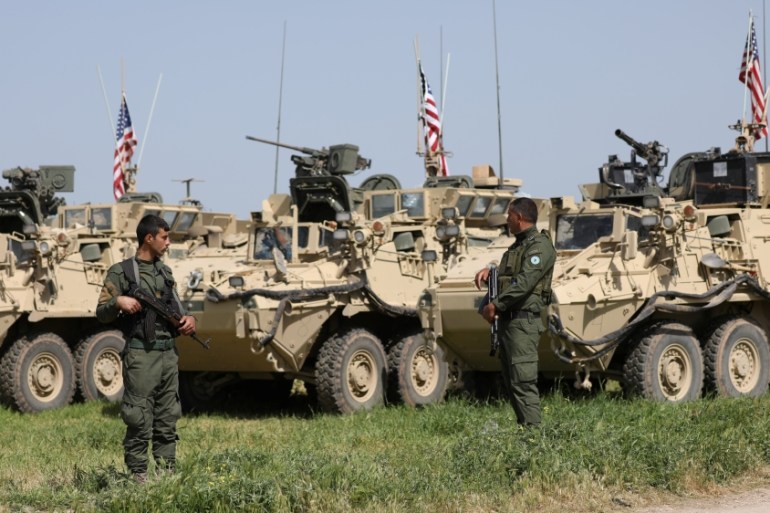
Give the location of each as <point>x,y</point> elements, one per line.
<point>589,455</point>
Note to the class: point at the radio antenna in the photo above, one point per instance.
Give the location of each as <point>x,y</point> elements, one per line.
<point>280,101</point>
<point>497,79</point>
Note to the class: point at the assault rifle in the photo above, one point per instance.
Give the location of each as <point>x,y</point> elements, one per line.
<point>173,318</point>
<point>492,295</point>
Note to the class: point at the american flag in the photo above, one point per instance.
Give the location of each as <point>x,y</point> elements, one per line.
<point>126,140</point>
<point>432,123</point>
<point>750,61</point>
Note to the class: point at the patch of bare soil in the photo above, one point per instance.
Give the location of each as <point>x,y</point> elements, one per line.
<point>751,495</point>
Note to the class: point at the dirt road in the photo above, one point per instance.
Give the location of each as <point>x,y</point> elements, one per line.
<point>753,501</point>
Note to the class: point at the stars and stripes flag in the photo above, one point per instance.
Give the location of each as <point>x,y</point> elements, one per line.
<point>124,149</point>
<point>752,77</point>
<point>432,124</point>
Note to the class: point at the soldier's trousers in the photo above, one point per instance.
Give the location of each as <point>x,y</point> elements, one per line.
<point>518,355</point>
<point>150,407</point>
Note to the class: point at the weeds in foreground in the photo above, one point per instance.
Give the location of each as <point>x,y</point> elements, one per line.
<point>457,456</point>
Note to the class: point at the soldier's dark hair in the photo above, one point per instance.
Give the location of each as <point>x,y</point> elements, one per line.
<point>526,208</point>
<point>150,225</point>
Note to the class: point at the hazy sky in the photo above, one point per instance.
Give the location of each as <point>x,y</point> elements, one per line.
<point>571,72</point>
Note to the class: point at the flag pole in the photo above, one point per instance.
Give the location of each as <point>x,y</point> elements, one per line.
<point>443,94</point>
<point>280,101</point>
<point>420,106</point>
<point>764,69</point>
<point>497,79</point>
<point>747,51</point>
<point>149,120</point>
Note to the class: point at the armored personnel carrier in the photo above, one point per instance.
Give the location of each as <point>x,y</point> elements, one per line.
<point>662,288</point>
<point>328,289</point>
<point>53,259</point>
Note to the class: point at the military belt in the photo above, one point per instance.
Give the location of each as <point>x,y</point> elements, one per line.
<point>517,314</point>
<point>158,345</point>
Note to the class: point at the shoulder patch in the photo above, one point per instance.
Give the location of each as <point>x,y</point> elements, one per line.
<point>534,260</point>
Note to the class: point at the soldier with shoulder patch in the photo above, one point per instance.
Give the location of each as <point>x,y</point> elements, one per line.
<point>150,407</point>
<point>524,284</point>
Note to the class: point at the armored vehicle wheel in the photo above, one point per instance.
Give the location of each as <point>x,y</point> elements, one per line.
<point>665,364</point>
<point>350,372</point>
<point>201,391</point>
<point>99,366</point>
<point>737,358</point>
<point>37,373</point>
<point>417,371</point>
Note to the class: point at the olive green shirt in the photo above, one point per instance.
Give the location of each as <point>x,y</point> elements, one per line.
<point>525,270</point>
<point>151,278</point>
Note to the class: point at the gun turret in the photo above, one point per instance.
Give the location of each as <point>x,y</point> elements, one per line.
<point>653,152</point>
<point>340,159</point>
<point>631,181</point>
<point>31,197</point>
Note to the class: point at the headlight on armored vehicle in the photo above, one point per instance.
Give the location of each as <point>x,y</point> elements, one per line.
<point>449,213</point>
<point>445,232</point>
<point>236,282</point>
<point>670,222</point>
<point>429,255</point>
<point>361,236</point>
<point>452,230</point>
<point>650,221</point>
<point>44,248</point>
<point>343,217</point>
<point>651,202</point>
<point>341,234</point>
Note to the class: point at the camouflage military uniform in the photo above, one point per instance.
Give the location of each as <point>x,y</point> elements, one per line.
<point>150,406</point>
<point>524,282</point>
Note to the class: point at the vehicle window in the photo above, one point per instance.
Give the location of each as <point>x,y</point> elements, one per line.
<point>186,220</point>
<point>169,217</point>
<point>480,207</point>
<point>580,231</point>
<point>463,204</point>
<point>413,203</point>
<point>271,237</point>
<point>500,206</point>
<point>152,212</point>
<point>325,238</point>
<point>303,236</point>
<point>383,205</point>
<point>102,218</point>
<point>634,224</point>
<point>72,217</point>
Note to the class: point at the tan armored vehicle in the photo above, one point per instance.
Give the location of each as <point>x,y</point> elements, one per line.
<point>328,290</point>
<point>53,259</point>
<point>663,289</point>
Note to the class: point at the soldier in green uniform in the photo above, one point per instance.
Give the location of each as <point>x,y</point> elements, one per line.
<point>150,406</point>
<point>524,285</point>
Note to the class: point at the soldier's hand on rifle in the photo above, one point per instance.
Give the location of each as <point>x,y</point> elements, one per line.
<point>489,312</point>
<point>129,305</point>
<point>481,277</point>
<point>186,325</point>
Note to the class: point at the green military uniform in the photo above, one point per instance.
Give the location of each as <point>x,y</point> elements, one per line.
<point>150,406</point>
<point>524,282</point>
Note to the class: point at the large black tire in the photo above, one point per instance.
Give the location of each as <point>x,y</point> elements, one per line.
<point>664,364</point>
<point>350,372</point>
<point>417,371</point>
<point>99,366</point>
<point>736,358</point>
<point>202,391</point>
<point>38,373</point>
